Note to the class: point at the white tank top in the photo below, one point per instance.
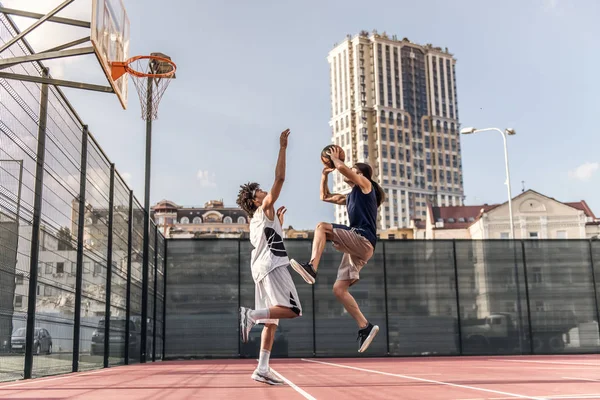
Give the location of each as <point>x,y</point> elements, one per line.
<point>269,251</point>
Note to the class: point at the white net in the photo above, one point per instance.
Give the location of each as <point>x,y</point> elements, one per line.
<point>151,89</point>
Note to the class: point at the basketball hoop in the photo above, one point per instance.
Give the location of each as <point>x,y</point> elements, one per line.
<point>151,76</point>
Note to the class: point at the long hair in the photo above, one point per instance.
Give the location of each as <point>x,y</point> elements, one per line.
<point>246,199</point>
<point>367,171</point>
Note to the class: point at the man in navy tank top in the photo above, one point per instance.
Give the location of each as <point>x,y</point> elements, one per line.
<point>356,241</point>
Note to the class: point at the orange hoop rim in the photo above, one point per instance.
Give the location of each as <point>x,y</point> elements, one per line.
<point>120,68</point>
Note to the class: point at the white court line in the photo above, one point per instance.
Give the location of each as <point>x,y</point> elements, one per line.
<point>293,386</point>
<point>43,380</point>
<point>582,379</point>
<point>546,362</point>
<point>428,380</point>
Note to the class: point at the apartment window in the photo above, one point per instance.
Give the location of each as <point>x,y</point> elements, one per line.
<point>533,235</point>
<point>19,279</point>
<point>18,301</point>
<point>537,275</point>
<point>97,268</point>
<point>384,151</point>
<point>73,268</point>
<point>86,268</point>
<point>383,134</point>
<point>503,235</point>
<point>392,134</point>
<point>60,267</point>
<point>392,153</point>
<point>561,234</point>
<point>540,306</point>
<point>48,269</point>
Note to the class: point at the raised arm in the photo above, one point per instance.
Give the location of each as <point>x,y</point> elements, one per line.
<point>326,196</point>
<point>360,180</point>
<point>273,194</point>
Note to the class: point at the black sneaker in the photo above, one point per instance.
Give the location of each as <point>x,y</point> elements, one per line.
<point>366,336</point>
<point>305,270</point>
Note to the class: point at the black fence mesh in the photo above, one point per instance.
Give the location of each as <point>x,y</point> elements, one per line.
<point>42,282</point>
<point>428,298</point>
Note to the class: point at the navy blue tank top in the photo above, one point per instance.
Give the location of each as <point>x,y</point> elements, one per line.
<point>362,212</point>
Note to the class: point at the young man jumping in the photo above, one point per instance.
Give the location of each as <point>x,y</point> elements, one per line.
<point>276,296</point>
<point>356,241</point>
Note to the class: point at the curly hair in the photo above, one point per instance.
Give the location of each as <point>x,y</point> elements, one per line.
<point>245,198</point>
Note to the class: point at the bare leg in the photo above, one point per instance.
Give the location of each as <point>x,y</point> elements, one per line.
<point>340,289</point>
<point>268,337</point>
<point>278,312</point>
<point>323,232</point>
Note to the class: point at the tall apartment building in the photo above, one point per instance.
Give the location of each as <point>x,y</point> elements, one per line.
<point>393,105</point>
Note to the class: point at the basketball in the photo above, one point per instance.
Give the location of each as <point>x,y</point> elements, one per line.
<point>325,157</point>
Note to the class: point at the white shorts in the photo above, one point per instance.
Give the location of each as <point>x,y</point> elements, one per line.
<point>277,289</point>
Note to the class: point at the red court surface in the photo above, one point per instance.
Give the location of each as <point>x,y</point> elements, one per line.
<point>472,378</point>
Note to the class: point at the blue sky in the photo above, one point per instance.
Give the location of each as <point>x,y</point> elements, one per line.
<point>248,70</point>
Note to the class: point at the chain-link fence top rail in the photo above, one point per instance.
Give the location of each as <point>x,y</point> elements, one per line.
<point>55,294</point>
<point>439,297</point>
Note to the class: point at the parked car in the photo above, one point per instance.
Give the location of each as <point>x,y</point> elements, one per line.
<point>116,339</point>
<point>42,341</point>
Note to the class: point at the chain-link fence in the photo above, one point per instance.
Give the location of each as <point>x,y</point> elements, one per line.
<point>434,297</point>
<point>70,240</point>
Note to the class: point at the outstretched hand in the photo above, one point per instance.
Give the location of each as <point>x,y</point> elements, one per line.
<point>283,139</point>
<point>280,212</point>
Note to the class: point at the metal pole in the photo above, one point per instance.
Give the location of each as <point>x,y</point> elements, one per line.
<point>80,233</point>
<point>35,235</point>
<point>145,255</point>
<point>128,292</point>
<point>385,295</point>
<point>109,262</point>
<point>239,294</point>
<point>155,293</point>
<point>595,287</point>
<point>510,212</point>
<point>164,321</point>
<point>531,349</point>
<point>314,330</point>
<point>459,327</point>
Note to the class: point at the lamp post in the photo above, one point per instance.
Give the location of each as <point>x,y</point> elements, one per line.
<point>505,133</point>
<point>469,131</point>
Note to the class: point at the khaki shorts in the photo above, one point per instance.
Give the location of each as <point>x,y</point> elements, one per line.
<point>357,251</point>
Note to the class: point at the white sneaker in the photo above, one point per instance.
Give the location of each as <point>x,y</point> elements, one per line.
<point>267,377</point>
<point>246,323</point>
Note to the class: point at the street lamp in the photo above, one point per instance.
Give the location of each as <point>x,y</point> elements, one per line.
<point>505,133</point>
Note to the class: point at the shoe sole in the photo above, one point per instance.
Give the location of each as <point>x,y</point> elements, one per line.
<point>243,322</point>
<point>369,339</point>
<point>300,270</point>
<point>260,379</point>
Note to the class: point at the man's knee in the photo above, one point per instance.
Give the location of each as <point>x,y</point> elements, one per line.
<point>339,290</point>
<point>324,227</point>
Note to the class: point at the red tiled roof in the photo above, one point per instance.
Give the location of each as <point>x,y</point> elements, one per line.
<point>457,212</point>
<point>583,206</point>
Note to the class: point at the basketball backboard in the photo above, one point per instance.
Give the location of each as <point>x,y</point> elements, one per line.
<point>110,38</point>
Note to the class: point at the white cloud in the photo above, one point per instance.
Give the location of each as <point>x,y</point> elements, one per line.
<point>584,172</point>
<point>206,178</point>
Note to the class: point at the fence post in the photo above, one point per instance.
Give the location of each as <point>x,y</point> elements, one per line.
<point>459,326</point>
<point>314,333</point>
<point>239,294</point>
<point>164,321</point>
<point>385,293</point>
<point>128,293</point>
<point>109,261</point>
<point>531,350</point>
<point>155,293</point>
<point>594,283</point>
<point>80,233</point>
<point>35,236</point>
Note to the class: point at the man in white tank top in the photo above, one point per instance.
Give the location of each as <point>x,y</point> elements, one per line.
<point>276,296</point>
